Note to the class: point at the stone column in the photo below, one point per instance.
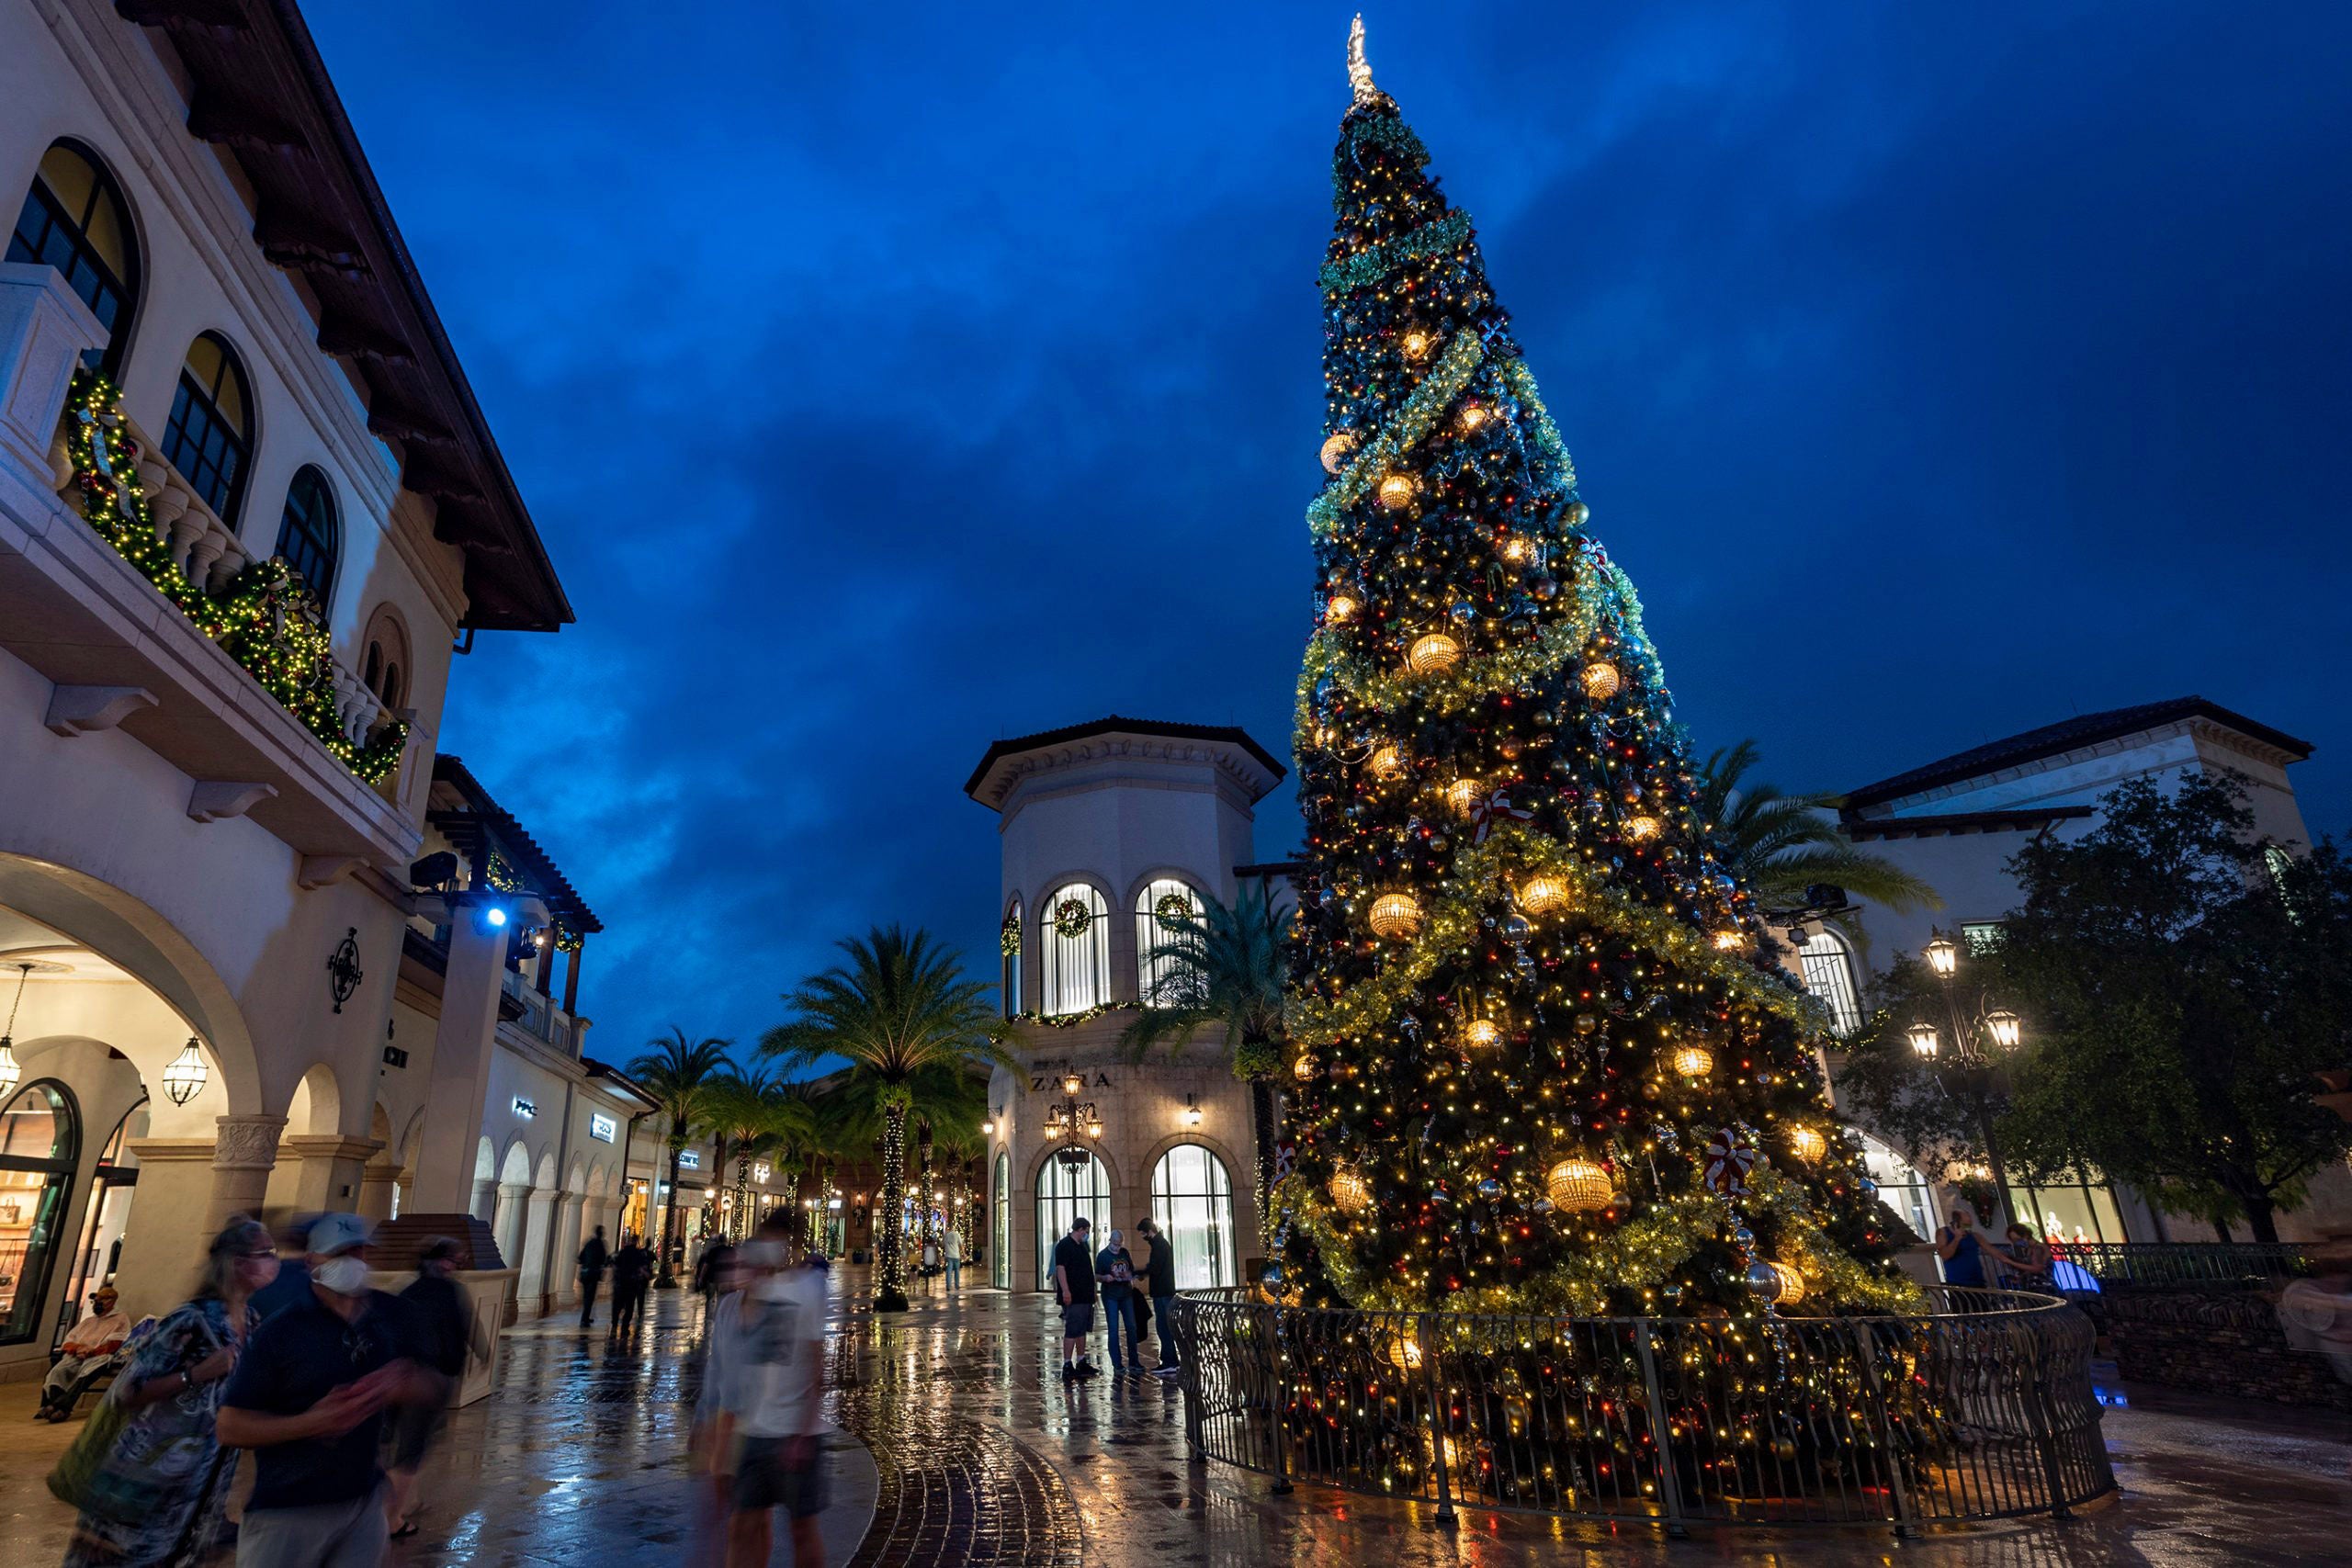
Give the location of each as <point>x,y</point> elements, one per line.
<point>187,1190</point>
<point>462,1049</point>
<point>376,1184</point>
<point>484,1206</point>
<point>332,1171</point>
<point>507,1220</point>
<point>44,327</point>
<point>563,1279</point>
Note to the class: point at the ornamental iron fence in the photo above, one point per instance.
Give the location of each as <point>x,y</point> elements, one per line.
<point>2186,1262</point>
<point>1979,1408</point>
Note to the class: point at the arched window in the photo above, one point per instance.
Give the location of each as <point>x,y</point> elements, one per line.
<point>40,1140</point>
<point>385,666</point>
<point>209,435</point>
<point>1073,926</point>
<point>74,219</point>
<point>109,1215</point>
<point>1191,1197</point>
<point>1000,1223</point>
<point>1163,909</point>
<point>309,536</point>
<point>1064,1192</point>
<point>1009,942</point>
<point>1900,1186</point>
<point>1828,965</point>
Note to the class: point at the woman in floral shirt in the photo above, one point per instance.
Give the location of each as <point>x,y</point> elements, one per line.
<point>155,1500</point>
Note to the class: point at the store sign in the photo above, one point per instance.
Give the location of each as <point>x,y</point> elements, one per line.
<point>523,1107</point>
<point>689,1159</point>
<point>601,1128</point>
<point>395,1057</point>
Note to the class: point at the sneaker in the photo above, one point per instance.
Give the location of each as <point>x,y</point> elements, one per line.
<point>1068,1372</point>
<point>1087,1369</point>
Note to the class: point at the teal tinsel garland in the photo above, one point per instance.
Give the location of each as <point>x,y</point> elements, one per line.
<point>1369,265</point>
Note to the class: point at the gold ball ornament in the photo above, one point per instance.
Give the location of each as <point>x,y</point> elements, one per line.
<point>1542,894</point>
<point>1396,915</point>
<point>1807,1144</point>
<point>1336,449</point>
<point>1341,608</point>
<point>1517,548</point>
<point>1397,491</point>
<point>1577,1186</point>
<point>1729,940</point>
<point>1417,346</point>
<point>1473,414</point>
<point>1481,1033</point>
<point>1351,1191</point>
<point>1693,1061</point>
<point>1642,830</point>
<point>1601,680</point>
<point>1462,796</point>
<point>1304,1069</point>
<point>1433,654</point>
<point>1777,1283</point>
<point>1388,762</point>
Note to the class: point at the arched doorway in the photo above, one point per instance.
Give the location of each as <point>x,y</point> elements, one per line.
<point>1191,1197</point>
<point>1000,1223</point>
<point>40,1143</point>
<point>1064,1192</point>
<point>1900,1186</point>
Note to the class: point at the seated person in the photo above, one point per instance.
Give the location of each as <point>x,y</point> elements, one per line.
<point>90,1347</point>
<point>2025,1257</point>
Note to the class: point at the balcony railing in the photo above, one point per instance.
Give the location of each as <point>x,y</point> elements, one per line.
<point>2182,1263</point>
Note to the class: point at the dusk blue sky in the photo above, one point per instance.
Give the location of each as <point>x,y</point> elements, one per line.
<point>886,380</point>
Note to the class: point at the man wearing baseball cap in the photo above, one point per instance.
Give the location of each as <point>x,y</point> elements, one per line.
<point>308,1397</point>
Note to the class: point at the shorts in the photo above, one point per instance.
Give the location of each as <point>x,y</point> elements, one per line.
<point>763,1479</point>
<point>1077,1320</point>
<point>414,1428</point>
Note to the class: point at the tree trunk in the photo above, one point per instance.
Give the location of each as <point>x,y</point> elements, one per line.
<point>1266,1131</point>
<point>889,1239</point>
<point>665,1278</point>
<point>2261,1216</point>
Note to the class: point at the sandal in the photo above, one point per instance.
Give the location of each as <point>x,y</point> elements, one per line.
<point>407,1529</point>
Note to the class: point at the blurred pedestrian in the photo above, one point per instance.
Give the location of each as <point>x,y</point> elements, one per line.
<point>774,1384</point>
<point>442,1321</point>
<point>293,1282</point>
<point>716,1262</point>
<point>309,1402</point>
<point>2025,1258</point>
<point>712,1445</point>
<point>1074,1288</point>
<point>953,1254</point>
<point>593,1258</point>
<point>632,1275</point>
<point>152,1481</point>
<point>90,1346</point>
<point>1963,1253</point>
<point>1159,1284</point>
<point>1114,1271</point>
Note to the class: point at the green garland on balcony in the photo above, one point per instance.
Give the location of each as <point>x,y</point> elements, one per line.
<point>268,622</point>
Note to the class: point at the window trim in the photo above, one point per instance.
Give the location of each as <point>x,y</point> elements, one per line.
<point>331,547</point>
<point>128,290</point>
<point>1844,1022</point>
<point>59,1170</point>
<point>244,441</point>
<point>1226,1272</point>
<point>1055,950</point>
<point>1149,933</point>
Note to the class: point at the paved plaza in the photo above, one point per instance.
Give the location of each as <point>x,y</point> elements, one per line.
<point>956,1446</point>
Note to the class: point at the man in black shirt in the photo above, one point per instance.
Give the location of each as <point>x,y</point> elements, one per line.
<point>309,1397</point>
<point>1074,1285</point>
<point>1158,1281</point>
<point>593,1260</point>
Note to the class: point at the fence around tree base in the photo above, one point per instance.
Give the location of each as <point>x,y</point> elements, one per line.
<point>1979,1408</point>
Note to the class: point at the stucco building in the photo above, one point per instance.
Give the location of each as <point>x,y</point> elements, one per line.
<point>1112,831</point>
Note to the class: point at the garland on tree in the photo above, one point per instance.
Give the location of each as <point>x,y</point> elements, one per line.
<point>268,621</point>
<point>1529,997</point>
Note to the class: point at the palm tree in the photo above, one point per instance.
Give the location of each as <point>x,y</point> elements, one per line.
<point>1224,969</point>
<point>680,1074</point>
<point>753,1112</point>
<point>1780,845</point>
<point>900,1011</point>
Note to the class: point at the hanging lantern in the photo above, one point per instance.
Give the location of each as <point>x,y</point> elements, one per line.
<point>1351,1191</point>
<point>184,1075</point>
<point>1577,1186</point>
<point>1777,1284</point>
<point>1417,346</point>
<point>1341,608</point>
<point>1434,654</point>
<point>1388,762</point>
<point>1599,680</point>
<point>1396,915</point>
<point>1693,1061</point>
<point>1642,828</point>
<point>1397,491</point>
<point>1807,1144</point>
<point>1336,449</point>
<point>1542,894</point>
<point>1480,1034</point>
<point>1462,796</point>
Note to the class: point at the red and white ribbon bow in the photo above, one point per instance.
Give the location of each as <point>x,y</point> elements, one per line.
<point>1730,1157</point>
<point>1485,814</point>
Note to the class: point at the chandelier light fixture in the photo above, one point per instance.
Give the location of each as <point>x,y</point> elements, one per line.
<point>10,1072</point>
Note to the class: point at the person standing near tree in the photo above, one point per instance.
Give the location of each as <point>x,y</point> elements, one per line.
<point>593,1258</point>
<point>1159,1284</point>
<point>954,1256</point>
<point>1074,1288</point>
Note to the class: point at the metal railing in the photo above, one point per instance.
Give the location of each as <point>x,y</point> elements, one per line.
<point>1980,1408</point>
<point>2179,1263</point>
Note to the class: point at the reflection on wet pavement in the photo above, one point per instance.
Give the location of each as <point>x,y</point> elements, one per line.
<point>980,1456</point>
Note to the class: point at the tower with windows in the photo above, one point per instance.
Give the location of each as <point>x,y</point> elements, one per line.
<point>1113,834</point>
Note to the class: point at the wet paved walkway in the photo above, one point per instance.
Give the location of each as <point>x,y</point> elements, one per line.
<point>979,1456</point>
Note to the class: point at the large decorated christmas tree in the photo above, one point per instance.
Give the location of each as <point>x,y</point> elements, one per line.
<point>1544,1062</point>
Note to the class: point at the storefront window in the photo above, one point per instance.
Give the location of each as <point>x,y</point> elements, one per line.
<point>1063,1194</point>
<point>1000,1225</point>
<point>109,1214</point>
<point>1191,1197</point>
<point>39,1141</point>
<point>2080,1210</point>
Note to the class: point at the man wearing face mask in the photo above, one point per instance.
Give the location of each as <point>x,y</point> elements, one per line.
<point>309,1397</point>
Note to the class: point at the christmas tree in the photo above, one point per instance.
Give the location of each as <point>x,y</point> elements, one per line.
<point>1544,1060</point>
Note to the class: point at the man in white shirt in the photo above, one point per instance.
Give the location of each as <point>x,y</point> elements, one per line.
<point>89,1346</point>
<point>775,1383</point>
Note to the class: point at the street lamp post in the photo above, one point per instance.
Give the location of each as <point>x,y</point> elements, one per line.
<point>1972,1061</point>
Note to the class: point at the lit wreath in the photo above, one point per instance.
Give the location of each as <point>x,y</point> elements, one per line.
<point>1071,918</point>
<point>1174,911</point>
